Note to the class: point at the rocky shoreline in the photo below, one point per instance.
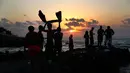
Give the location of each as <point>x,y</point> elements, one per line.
<point>91,60</point>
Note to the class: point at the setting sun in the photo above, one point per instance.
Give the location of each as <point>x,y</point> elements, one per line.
<point>72,31</point>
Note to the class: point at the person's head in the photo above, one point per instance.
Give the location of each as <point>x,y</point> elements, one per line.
<point>92,28</point>
<point>100,27</point>
<point>86,32</point>
<point>71,36</point>
<point>58,29</point>
<point>108,27</point>
<point>31,28</point>
<point>49,25</point>
<point>40,28</point>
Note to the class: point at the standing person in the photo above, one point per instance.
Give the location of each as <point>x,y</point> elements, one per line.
<point>32,43</point>
<point>100,33</point>
<point>41,41</point>
<point>58,35</point>
<point>86,37</point>
<point>32,39</point>
<point>91,36</point>
<point>108,36</point>
<point>71,45</point>
<point>50,45</point>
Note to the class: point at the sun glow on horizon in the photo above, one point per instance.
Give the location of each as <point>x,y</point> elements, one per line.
<point>72,31</point>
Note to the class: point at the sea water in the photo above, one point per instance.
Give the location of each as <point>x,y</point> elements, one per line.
<point>78,43</point>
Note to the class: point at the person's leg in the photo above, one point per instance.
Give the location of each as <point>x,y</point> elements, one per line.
<point>59,51</point>
<point>105,42</point>
<point>98,40</point>
<point>35,64</point>
<point>110,41</point>
<point>101,41</point>
<point>92,41</point>
<point>85,43</point>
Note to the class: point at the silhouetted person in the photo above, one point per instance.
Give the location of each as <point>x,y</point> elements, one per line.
<point>50,45</point>
<point>100,33</point>
<point>50,33</point>
<point>108,36</point>
<point>41,41</point>
<point>71,45</point>
<point>32,43</point>
<point>31,37</point>
<point>86,37</point>
<point>58,35</point>
<point>91,36</point>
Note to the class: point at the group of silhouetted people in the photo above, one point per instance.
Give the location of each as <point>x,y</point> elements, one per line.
<point>89,36</point>
<point>54,39</point>
<point>34,40</point>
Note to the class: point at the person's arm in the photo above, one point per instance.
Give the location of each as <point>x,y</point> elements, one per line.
<point>44,28</point>
<point>98,32</point>
<point>113,32</point>
<point>52,21</point>
<point>26,41</point>
<point>84,35</point>
<point>54,30</point>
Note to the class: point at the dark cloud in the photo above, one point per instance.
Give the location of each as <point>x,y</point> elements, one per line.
<point>67,29</point>
<point>126,26</point>
<point>39,22</point>
<point>80,23</point>
<point>93,21</point>
<point>18,28</point>
<point>69,24</point>
<point>126,22</point>
<point>29,22</point>
<point>75,20</point>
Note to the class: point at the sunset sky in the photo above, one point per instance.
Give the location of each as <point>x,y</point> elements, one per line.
<point>78,15</point>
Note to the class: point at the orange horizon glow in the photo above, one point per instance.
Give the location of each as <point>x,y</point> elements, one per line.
<point>71,31</point>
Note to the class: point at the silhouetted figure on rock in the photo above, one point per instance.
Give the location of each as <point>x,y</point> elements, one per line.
<point>41,41</point>
<point>50,33</point>
<point>91,36</point>
<point>32,43</point>
<point>86,37</point>
<point>71,45</point>
<point>50,45</point>
<point>58,35</point>
<point>100,33</point>
<point>108,36</point>
<point>31,37</point>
